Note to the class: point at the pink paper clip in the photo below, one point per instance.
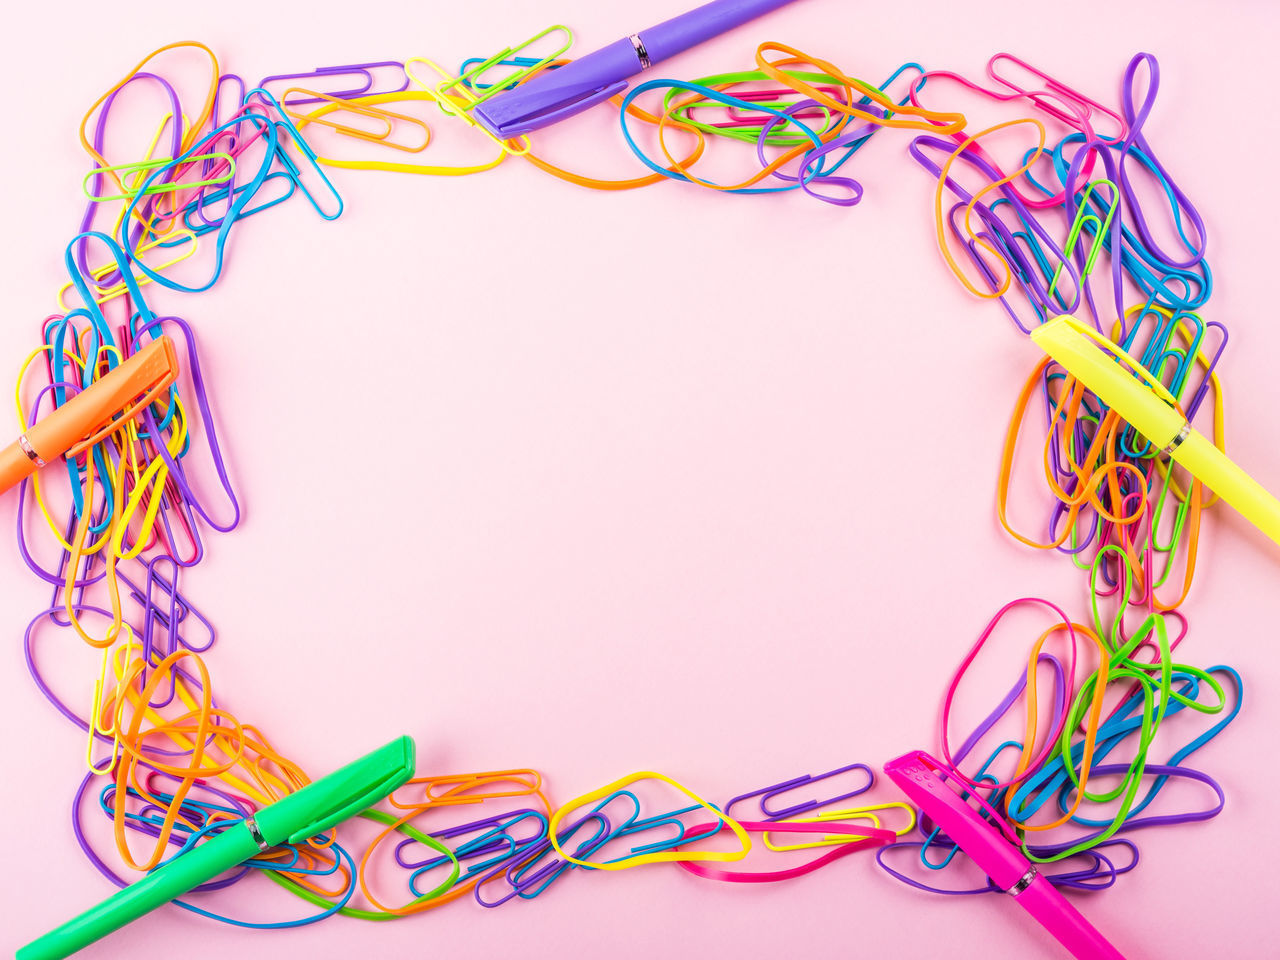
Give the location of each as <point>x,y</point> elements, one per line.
<point>739,119</point>
<point>1058,91</point>
<point>235,144</point>
<point>1080,122</point>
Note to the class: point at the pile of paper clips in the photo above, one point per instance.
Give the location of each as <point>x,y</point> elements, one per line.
<point>168,763</point>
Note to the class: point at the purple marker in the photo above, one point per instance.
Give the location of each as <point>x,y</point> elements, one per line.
<point>557,94</point>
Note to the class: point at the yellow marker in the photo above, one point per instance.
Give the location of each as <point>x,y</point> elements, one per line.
<point>1122,384</point>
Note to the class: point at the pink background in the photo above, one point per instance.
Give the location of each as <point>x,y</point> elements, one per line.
<point>645,493</point>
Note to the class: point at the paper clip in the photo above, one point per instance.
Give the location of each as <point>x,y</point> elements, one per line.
<point>671,819</point>
<point>344,70</point>
<point>215,118</point>
<point>130,183</point>
<point>743,126</point>
<point>1097,227</point>
<point>529,62</point>
<point>266,100</point>
<point>531,886</point>
<point>102,703</point>
<point>439,170</point>
<point>146,166</point>
<point>634,824</point>
<point>458,104</point>
<point>497,838</point>
<point>170,620</point>
<point>358,107</point>
<point>867,813</point>
<point>786,786</point>
<point>486,841</point>
<point>469,788</point>
<point>775,100</point>
<point>469,83</point>
<point>197,207</point>
<point>1062,91</point>
<point>183,237</point>
<point>174,615</point>
<point>1006,242</point>
<point>513,871</point>
<point>664,855</point>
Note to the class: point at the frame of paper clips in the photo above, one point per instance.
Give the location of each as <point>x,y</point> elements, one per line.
<point>1071,228</point>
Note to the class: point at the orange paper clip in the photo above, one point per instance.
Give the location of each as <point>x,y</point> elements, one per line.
<point>385,118</point>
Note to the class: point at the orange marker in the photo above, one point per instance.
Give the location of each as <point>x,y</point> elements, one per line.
<point>92,414</point>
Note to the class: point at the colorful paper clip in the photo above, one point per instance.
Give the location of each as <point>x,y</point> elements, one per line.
<point>147,166</point>
<point>364,70</point>
<point>386,118</point>
<point>765,794</point>
<point>458,103</point>
<point>478,91</point>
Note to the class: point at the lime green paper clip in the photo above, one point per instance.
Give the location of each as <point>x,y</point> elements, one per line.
<point>315,808</point>
<point>145,166</point>
<point>1099,228</point>
<point>1123,385</point>
<point>493,87</point>
<point>458,103</point>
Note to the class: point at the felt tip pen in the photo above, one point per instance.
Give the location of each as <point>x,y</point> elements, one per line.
<point>310,811</point>
<point>92,413</point>
<point>1151,411</point>
<point>916,775</point>
<point>554,95</point>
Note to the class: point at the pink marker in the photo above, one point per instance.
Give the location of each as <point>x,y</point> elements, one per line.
<point>916,774</point>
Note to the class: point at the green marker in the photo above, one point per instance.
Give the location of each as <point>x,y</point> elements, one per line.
<point>312,810</point>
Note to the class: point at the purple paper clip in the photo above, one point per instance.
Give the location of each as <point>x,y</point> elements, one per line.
<point>501,822</point>
<point>514,867</point>
<point>342,70</point>
<point>786,786</point>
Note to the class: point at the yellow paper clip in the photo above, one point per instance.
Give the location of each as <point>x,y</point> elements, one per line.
<point>853,813</point>
<point>438,170</point>
<point>459,102</point>
<point>105,294</point>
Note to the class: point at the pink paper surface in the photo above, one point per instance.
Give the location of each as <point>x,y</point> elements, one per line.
<point>671,480</point>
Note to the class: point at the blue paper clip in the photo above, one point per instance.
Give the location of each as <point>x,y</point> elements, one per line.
<point>282,121</point>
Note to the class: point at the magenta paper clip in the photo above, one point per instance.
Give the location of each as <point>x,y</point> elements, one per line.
<point>772,97</point>
<point>1057,90</point>
<point>997,854</point>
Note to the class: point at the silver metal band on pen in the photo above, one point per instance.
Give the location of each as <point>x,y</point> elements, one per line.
<point>30,451</point>
<point>1027,879</point>
<point>258,838</point>
<point>641,52</point>
<point>1176,442</point>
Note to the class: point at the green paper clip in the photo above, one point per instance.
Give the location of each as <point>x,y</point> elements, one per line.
<point>146,166</point>
<point>1099,228</point>
<point>493,87</point>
